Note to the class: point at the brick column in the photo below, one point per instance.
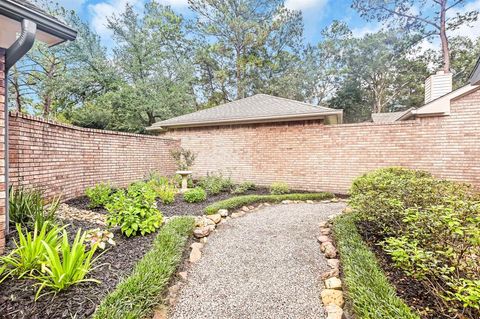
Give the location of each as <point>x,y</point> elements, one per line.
<point>2,149</point>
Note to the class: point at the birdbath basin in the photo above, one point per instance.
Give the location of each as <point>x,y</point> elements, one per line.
<point>184,175</point>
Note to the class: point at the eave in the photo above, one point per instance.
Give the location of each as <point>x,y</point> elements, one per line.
<point>253,120</point>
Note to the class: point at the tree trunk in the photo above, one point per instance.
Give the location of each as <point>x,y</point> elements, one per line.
<point>240,90</point>
<point>443,37</point>
<point>47,105</point>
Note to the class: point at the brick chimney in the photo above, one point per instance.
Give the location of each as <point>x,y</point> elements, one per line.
<point>437,85</point>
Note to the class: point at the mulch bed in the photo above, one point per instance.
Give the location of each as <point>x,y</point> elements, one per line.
<point>80,301</point>
<point>413,292</point>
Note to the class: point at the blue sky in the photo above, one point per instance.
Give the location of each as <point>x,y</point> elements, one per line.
<point>317,14</point>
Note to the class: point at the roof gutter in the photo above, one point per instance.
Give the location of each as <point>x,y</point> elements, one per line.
<point>14,53</point>
<point>46,24</point>
<point>252,120</point>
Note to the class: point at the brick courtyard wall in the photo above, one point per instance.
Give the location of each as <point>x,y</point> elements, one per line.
<point>327,158</point>
<point>64,159</point>
<point>2,149</point>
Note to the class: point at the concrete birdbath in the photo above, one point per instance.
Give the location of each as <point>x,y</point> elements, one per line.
<point>184,175</point>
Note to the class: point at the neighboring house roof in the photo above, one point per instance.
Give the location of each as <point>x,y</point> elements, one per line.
<point>259,108</point>
<point>475,76</point>
<point>388,117</point>
<point>50,29</point>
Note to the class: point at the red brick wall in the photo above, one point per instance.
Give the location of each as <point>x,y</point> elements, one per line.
<point>64,159</point>
<point>328,158</point>
<point>2,150</point>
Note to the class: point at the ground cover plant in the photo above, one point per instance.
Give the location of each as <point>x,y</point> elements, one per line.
<point>136,296</point>
<point>430,230</point>
<point>369,291</point>
<point>239,201</point>
<point>243,188</point>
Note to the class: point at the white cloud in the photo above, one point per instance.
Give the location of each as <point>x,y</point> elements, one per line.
<point>473,30</point>
<point>305,4</point>
<point>71,4</point>
<point>174,3</point>
<point>100,12</point>
<point>366,29</point>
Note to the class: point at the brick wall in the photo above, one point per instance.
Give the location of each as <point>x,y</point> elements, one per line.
<point>2,149</point>
<point>64,159</point>
<point>328,158</point>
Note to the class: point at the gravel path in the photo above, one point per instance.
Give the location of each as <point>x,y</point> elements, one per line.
<point>266,264</point>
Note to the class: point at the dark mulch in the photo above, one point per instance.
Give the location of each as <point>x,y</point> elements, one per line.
<point>180,207</point>
<point>413,292</point>
<point>80,301</point>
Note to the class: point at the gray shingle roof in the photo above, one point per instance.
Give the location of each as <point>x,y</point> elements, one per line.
<point>388,117</point>
<point>256,108</point>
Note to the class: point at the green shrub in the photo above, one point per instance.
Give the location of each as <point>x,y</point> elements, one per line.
<point>278,188</point>
<point>239,201</point>
<point>137,295</point>
<point>215,183</point>
<point>66,266</point>
<point>28,208</point>
<point>164,188</point>
<point>371,294</point>
<point>431,229</point>
<point>243,188</point>
<point>134,211</point>
<point>195,195</point>
<point>98,195</point>
<point>30,251</point>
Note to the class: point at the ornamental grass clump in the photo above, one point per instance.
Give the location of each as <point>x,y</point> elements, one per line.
<point>29,209</point>
<point>431,230</point>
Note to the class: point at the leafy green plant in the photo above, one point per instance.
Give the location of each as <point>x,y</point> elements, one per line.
<point>215,183</point>
<point>134,211</point>
<point>98,195</point>
<point>164,188</point>
<point>28,208</point>
<point>66,266</point>
<point>30,252</point>
<point>195,195</point>
<point>243,188</point>
<point>184,158</point>
<point>239,201</point>
<point>100,238</point>
<point>137,295</point>
<point>430,228</point>
<point>278,188</point>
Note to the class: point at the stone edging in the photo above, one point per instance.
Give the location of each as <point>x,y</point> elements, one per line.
<point>333,295</point>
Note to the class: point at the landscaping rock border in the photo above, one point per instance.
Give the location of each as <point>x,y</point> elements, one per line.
<point>332,296</point>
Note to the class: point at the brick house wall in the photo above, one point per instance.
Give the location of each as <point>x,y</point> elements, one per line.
<point>2,148</point>
<point>64,159</point>
<point>328,157</point>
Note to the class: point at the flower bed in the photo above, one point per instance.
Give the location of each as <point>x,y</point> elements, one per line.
<point>426,233</point>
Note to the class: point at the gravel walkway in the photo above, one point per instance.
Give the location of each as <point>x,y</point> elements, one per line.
<point>266,264</point>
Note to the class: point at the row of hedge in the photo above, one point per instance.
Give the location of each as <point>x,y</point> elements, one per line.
<point>239,201</point>
<point>431,230</point>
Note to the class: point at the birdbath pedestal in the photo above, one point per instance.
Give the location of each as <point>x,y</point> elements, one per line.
<point>184,175</point>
